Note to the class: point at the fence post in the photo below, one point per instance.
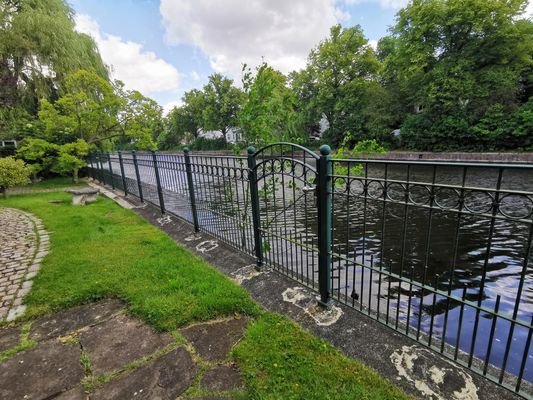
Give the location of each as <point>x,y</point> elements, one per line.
<point>158,181</point>
<point>101,166</point>
<point>324,225</point>
<point>137,175</point>
<point>254,198</point>
<point>122,173</point>
<point>190,184</point>
<point>110,170</point>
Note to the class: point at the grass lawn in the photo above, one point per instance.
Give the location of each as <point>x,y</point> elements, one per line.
<point>53,183</point>
<point>103,251</point>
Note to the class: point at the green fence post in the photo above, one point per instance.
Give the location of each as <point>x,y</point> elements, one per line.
<point>137,175</point>
<point>158,181</point>
<point>122,173</point>
<point>102,174</point>
<point>254,198</point>
<point>190,184</point>
<point>324,225</point>
<point>110,171</point>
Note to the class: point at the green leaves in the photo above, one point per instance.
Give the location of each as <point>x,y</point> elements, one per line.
<point>96,111</point>
<point>13,173</point>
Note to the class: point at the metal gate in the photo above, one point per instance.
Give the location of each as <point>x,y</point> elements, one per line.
<point>290,196</point>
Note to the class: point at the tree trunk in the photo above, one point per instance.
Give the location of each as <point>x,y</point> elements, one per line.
<point>75,176</point>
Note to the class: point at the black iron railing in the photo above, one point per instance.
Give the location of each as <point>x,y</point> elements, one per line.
<point>440,252</point>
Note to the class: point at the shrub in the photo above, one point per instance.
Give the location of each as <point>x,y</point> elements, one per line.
<point>13,173</point>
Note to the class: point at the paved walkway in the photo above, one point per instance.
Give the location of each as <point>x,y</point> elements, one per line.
<point>23,244</point>
<point>98,351</point>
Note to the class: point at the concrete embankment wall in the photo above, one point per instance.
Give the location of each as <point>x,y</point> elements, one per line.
<point>519,158</point>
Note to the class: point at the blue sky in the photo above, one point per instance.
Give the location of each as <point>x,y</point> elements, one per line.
<point>164,48</point>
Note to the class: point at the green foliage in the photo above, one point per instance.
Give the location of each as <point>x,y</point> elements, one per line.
<point>341,84</point>
<point>71,158</point>
<point>269,112</point>
<point>13,173</point>
<point>39,154</point>
<point>202,143</point>
<point>369,147</point>
<point>39,47</point>
<point>222,102</point>
<point>94,110</point>
<point>459,69</point>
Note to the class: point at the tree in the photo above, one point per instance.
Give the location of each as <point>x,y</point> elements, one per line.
<point>94,110</point>
<point>454,63</point>
<point>71,158</point>
<point>269,110</point>
<point>343,73</point>
<point>39,48</point>
<point>39,154</point>
<point>13,173</point>
<point>222,103</point>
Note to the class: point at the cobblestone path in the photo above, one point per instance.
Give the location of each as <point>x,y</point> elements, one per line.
<point>23,244</point>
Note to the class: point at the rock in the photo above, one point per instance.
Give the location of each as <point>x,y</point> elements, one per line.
<point>214,341</point>
<point>164,378</point>
<point>119,341</point>
<point>9,338</point>
<point>222,378</point>
<point>41,372</point>
<point>63,322</point>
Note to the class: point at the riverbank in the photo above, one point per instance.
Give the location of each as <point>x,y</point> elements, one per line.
<point>503,158</point>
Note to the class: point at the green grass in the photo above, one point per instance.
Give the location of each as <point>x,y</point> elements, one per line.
<point>102,250</point>
<point>54,183</point>
<point>279,360</point>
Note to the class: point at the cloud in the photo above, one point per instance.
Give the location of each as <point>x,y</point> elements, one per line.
<point>390,4</point>
<point>233,32</point>
<point>139,69</point>
<point>528,13</point>
<point>194,76</point>
<point>170,105</point>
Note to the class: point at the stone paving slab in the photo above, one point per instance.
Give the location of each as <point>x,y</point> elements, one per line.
<point>164,378</point>
<point>214,341</point>
<point>53,369</point>
<point>41,372</point>
<point>9,337</point>
<point>63,322</point>
<point>119,341</point>
<point>222,377</point>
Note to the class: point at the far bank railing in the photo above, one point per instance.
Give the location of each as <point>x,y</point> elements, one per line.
<point>440,252</point>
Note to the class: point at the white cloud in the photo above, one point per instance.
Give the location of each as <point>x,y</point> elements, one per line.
<point>194,76</point>
<point>233,32</point>
<point>139,69</point>
<point>392,4</point>
<point>529,9</point>
<point>170,105</point>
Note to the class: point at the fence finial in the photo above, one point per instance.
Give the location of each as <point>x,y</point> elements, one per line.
<point>325,150</point>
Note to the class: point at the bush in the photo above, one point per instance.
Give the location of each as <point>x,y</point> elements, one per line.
<point>13,173</point>
<point>203,143</point>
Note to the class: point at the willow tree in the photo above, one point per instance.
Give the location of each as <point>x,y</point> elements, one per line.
<point>39,47</point>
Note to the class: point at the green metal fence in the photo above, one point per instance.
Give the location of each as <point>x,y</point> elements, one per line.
<point>440,252</point>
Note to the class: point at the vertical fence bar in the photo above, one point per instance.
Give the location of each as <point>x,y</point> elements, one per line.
<point>254,198</point>
<point>190,184</point>
<point>137,175</point>
<point>102,174</point>
<point>158,182</point>
<point>122,173</point>
<point>324,225</point>
<point>110,170</point>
